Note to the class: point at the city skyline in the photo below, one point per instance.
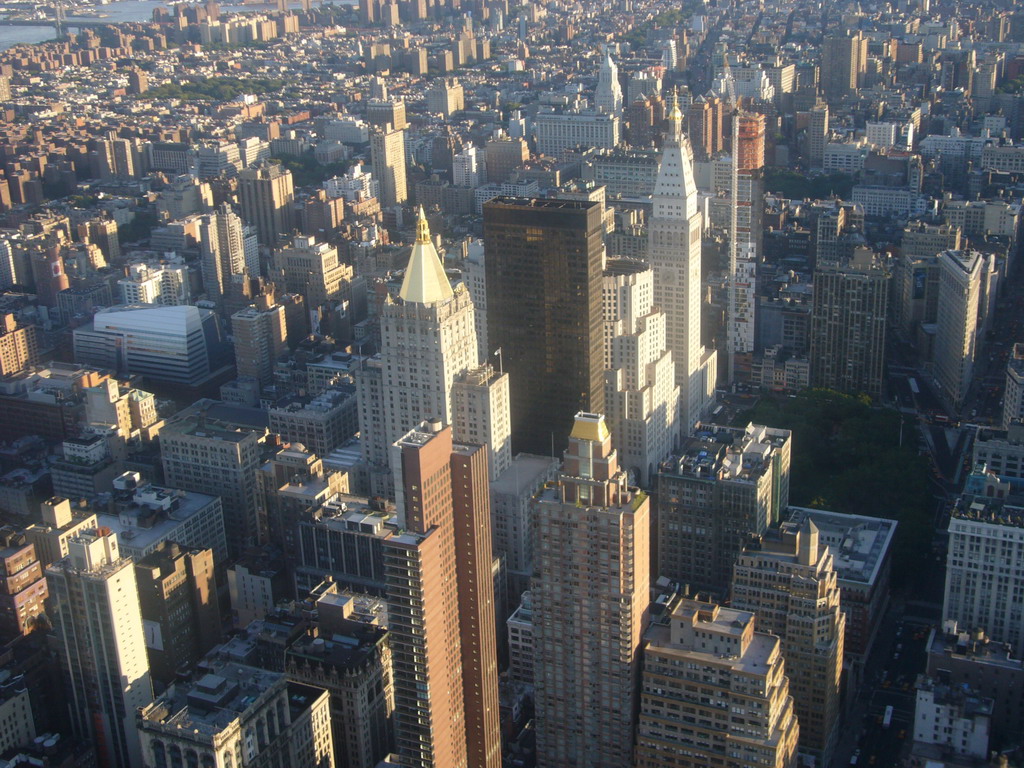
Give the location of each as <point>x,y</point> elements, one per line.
<point>489,384</point>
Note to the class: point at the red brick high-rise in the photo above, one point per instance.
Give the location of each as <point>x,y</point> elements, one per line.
<point>441,591</point>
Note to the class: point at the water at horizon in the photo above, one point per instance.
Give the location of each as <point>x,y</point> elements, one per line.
<point>119,11</point>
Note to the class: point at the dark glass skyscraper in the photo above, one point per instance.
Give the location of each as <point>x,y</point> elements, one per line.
<point>543,273</point>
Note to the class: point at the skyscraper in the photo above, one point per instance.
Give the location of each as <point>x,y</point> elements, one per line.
<point>544,284</point>
<point>817,135</point>
<point>608,96</point>
<point>387,155</point>
<point>178,600</point>
<point>724,484</point>
<point>590,602</point>
<point>428,339</point>
<point>848,320</point>
<point>204,455</point>
<point>750,172</point>
<point>789,580</point>
<point>674,252</point>
<point>481,416</point>
<point>986,542</point>
<point>223,250</point>
<point>98,625</point>
<point>641,394</point>
<point>441,600</point>
<point>962,281</point>
<point>843,63</point>
<point>746,669</point>
<point>313,269</point>
<point>260,334</point>
<point>745,238</point>
<point>266,192</point>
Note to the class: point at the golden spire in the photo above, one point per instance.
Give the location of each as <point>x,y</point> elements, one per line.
<point>425,280</point>
<point>422,228</point>
<point>675,113</point>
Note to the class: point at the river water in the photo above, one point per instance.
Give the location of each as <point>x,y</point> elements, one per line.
<point>120,10</point>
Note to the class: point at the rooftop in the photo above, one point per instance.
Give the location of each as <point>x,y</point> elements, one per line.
<point>967,701</point>
<point>858,543</point>
<point>950,642</point>
<point>727,453</point>
<point>522,474</point>
<point>152,514</point>
<point>210,704</point>
<point>348,648</point>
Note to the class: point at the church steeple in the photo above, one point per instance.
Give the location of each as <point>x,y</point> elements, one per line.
<point>425,281</point>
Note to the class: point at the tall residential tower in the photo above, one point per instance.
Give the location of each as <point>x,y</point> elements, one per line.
<point>101,645</point>
<point>590,603</point>
<point>441,605</point>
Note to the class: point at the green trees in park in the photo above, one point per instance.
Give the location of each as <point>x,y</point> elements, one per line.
<point>847,457</point>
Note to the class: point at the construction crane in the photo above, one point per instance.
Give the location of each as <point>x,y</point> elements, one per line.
<point>734,183</point>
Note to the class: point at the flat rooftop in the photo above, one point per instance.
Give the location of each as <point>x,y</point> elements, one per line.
<point>523,474</point>
<point>140,527</point>
<point>960,645</point>
<point>211,703</point>
<point>858,543</point>
<point>983,509</point>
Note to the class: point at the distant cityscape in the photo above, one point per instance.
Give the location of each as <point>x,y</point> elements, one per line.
<point>506,384</point>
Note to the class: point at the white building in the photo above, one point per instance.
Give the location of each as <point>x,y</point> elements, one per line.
<point>558,132</point>
<point>347,130</point>
<point>965,147</point>
<point>520,642</point>
<point>166,283</point>
<point>237,716</point>
<point>222,239</point>
<point>1002,452</point>
<point>845,158</point>
<point>101,645</point>
<point>986,548</point>
<point>480,413</point>
<point>953,718</point>
<point>1009,158</point>
<point>214,159</point>
<point>253,151</point>
<point>512,521</point>
<point>474,277</point>
<point>608,96</point>
<point>674,253</point>
<point>898,202</point>
<point>956,335</point>
<point>358,182</point>
<point>8,276</point>
<point>1013,396</point>
<point>428,339</point>
<point>749,83</point>
<point>744,288</point>
<point>466,168</point>
<point>641,392</point>
<point>17,727</point>
<point>149,515</point>
<point>168,343</point>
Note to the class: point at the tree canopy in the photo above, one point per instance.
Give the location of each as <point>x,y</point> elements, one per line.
<point>847,458</point>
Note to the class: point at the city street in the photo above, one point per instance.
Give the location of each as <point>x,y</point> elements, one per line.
<point>889,681</point>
